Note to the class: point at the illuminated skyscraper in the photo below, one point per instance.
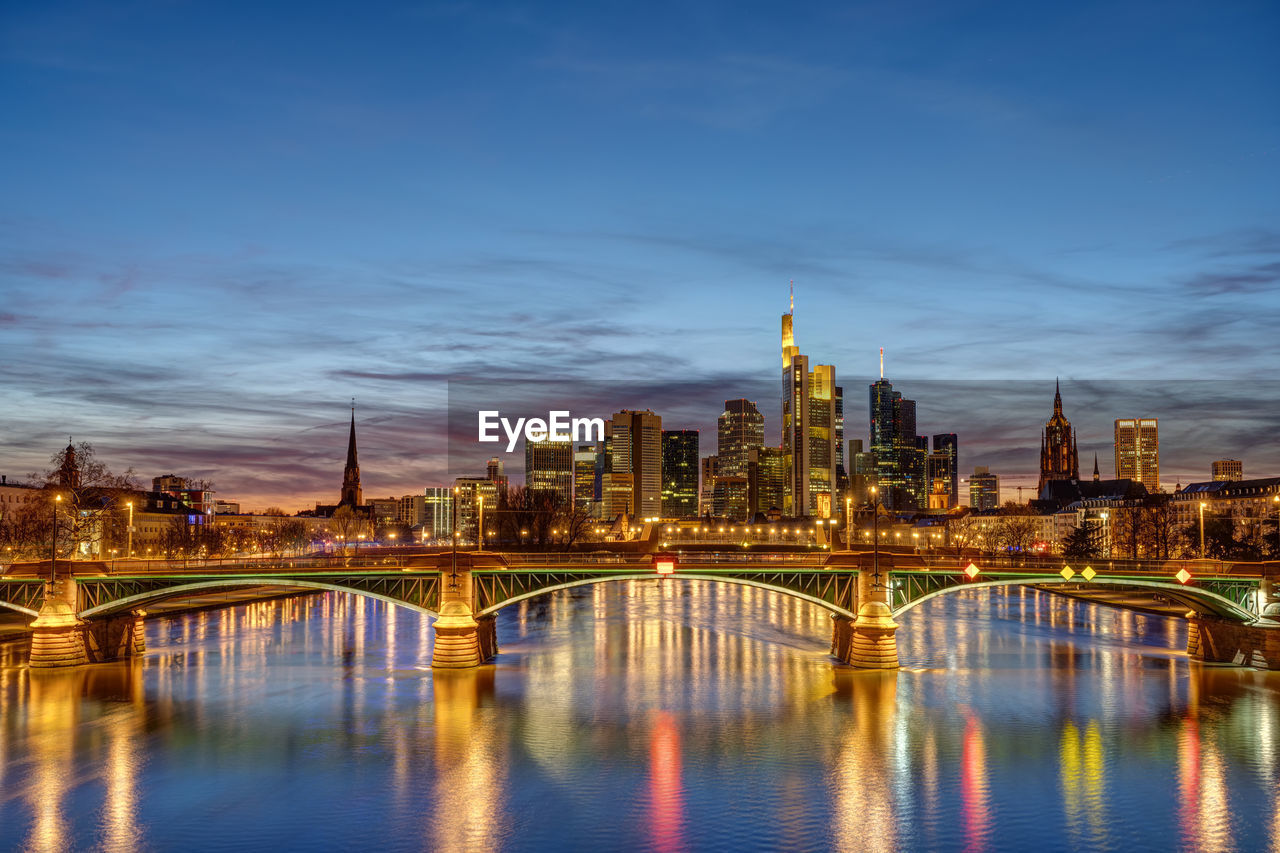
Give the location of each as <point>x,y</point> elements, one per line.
<point>586,480</point>
<point>706,494</point>
<point>635,442</point>
<point>739,429</point>
<point>984,489</point>
<point>899,453</point>
<point>548,466</point>
<point>680,473</point>
<point>766,480</point>
<point>944,472</point>
<point>438,511</point>
<point>1058,457</point>
<point>1138,451</point>
<point>808,430</point>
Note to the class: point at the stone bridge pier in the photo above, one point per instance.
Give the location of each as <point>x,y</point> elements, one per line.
<point>61,638</point>
<point>462,640</point>
<point>869,641</point>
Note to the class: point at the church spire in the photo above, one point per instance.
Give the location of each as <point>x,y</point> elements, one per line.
<point>351,442</point>
<point>1057,397</point>
<point>352,495</point>
<point>1096,475</point>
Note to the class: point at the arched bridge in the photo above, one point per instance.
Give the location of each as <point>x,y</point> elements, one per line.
<point>463,600</point>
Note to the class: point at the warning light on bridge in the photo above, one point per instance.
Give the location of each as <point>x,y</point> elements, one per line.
<point>1067,573</point>
<point>664,564</point>
<point>1183,576</point>
<point>1088,573</point>
<point>971,570</point>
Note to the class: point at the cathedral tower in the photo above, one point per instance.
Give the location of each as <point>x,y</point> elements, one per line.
<point>1058,457</point>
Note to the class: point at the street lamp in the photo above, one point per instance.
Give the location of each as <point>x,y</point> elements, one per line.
<point>53,542</point>
<point>129,550</point>
<point>1276,501</point>
<point>848,524</point>
<point>875,528</point>
<point>480,521</point>
<point>1202,506</point>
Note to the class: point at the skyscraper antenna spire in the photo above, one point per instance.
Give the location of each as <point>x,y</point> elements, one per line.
<point>792,312</point>
<point>882,362</point>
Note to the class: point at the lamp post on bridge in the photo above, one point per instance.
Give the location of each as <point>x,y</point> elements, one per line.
<point>848,524</point>
<point>875,528</point>
<point>1202,506</point>
<point>53,541</point>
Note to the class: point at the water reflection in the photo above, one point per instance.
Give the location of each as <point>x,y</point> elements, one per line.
<point>57,703</point>
<point>666,789</point>
<point>469,763</point>
<point>657,715</point>
<point>864,813</point>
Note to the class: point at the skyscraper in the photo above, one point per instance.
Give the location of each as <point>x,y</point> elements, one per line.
<point>808,430</point>
<point>680,473</point>
<point>635,442</point>
<point>710,469</point>
<point>944,473</point>
<point>766,480</point>
<point>984,489</point>
<point>1058,457</point>
<point>438,506</point>
<point>548,466</point>
<point>899,453</point>
<point>1138,451</point>
<point>496,471</point>
<point>586,482</point>
<point>739,429</point>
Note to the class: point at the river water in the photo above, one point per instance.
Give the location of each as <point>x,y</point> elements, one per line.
<point>646,715</point>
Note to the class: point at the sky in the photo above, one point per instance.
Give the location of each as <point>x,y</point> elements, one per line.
<point>221,222</point>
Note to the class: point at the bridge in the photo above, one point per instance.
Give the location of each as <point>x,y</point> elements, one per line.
<point>84,618</point>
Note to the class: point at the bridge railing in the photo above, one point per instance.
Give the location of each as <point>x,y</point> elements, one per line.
<point>516,560</point>
<point>1102,565</point>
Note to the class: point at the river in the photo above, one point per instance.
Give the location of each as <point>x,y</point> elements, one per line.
<point>645,715</point>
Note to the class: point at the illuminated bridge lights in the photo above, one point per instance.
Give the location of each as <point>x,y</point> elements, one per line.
<point>1183,576</point>
<point>665,564</point>
<point>1089,573</point>
<point>1067,573</point>
<point>971,571</point>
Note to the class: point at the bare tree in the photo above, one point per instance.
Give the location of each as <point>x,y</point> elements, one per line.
<point>91,497</point>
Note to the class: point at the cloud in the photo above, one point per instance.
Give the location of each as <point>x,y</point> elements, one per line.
<point>1260,278</point>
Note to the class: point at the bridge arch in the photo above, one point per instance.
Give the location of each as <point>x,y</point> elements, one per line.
<point>141,600</point>
<point>648,576</point>
<point>1193,597</point>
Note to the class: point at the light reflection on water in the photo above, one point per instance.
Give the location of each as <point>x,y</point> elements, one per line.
<point>645,715</point>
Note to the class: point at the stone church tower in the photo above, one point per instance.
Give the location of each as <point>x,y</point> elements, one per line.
<point>351,493</point>
<point>1058,457</point>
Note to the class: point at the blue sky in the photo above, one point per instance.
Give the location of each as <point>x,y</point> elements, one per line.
<point>222,221</point>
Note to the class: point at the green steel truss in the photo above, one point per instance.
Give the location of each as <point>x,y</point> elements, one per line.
<point>834,588</point>
<point>419,589</point>
<point>907,587</point>
<point>22,594</point>
<point>494,588</point>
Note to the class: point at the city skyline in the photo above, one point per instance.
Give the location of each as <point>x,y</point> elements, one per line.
<point>200,267</point>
